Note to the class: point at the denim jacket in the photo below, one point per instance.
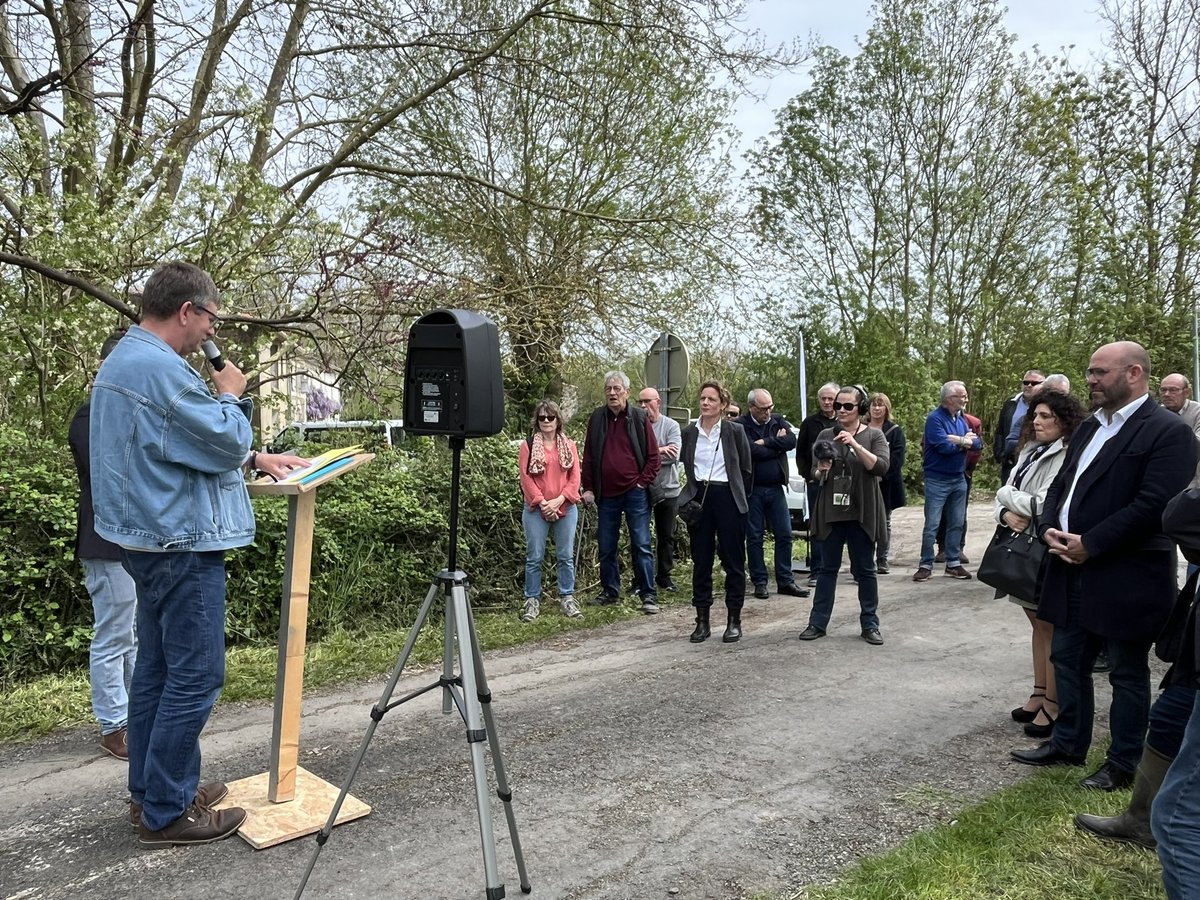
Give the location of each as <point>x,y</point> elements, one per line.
<point>166,456</point>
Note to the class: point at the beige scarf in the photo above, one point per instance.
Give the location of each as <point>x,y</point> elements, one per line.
<point>537,456</point>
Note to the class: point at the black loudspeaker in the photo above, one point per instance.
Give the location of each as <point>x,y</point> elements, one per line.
<point>452,379</point>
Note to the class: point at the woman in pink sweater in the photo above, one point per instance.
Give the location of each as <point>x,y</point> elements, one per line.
<point>550,484</point>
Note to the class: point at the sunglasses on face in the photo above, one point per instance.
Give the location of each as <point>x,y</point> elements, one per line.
<point>547,418</point>
<point>1030,383</point>
<point>732,414</point>
<point>845,406</point>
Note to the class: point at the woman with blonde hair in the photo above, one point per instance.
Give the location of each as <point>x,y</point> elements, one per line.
<point>879,415</point>
<point>550,485</point>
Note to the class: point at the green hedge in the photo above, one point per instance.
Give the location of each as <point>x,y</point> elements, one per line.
<point>381,535</point>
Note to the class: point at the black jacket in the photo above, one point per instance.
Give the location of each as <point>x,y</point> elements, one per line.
<point>809,429</point>
<point>769,457</point>
<point>1003,427</point>
<point>1128,579</point>
<point>88,544</point>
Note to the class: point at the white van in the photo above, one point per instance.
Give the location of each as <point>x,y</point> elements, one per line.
<point>326,431</point>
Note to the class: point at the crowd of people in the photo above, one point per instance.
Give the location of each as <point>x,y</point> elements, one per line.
<point>1108,487</point>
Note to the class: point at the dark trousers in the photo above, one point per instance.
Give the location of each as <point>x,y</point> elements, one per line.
<point>721,529</point>
<point>1073,651</point>
<point>1169,718</point>
<point>862,565</point>
<point>814,547</point>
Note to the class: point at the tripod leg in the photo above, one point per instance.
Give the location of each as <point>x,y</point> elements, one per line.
<point>449,579</point>
<point>502,789</point>
<point>377,712</point>
<point>476,735</point>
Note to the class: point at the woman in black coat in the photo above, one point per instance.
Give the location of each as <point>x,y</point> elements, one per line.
<point>716,458</point>
<point>879,415</point>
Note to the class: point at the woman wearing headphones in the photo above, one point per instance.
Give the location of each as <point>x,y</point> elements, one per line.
<point>849,459</point>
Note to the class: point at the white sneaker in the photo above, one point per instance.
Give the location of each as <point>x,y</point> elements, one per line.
<point>532,607</point>
<point>570,608</point>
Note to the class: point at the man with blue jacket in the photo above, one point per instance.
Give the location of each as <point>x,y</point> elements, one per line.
<point>167,487</point>
<point>946,443</point>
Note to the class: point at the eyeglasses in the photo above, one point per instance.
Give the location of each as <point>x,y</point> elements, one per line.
<point>547,418</point>
<point>733,413</point>
<point>642,400</point>
<point>213,318</point>
<point>845,406</point>
<point>1170,390</point>
<point>1030,383</point>
<point>768,406</point>
<point>1100,373</point>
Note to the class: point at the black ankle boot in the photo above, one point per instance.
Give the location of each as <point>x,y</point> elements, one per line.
<point>733,630</point>
<point>702,632</point>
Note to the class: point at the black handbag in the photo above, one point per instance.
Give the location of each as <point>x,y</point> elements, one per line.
<point>691,511</point>
<point>1014,560</point>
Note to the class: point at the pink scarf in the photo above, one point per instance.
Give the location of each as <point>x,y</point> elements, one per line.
<point>537,455</point>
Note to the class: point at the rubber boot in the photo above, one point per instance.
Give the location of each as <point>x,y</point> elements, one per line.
<point>733,628</point>
<point>1133,825</point>
<point>702,632</point>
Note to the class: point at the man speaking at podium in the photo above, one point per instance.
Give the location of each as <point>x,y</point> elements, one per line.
<point>168,488</point>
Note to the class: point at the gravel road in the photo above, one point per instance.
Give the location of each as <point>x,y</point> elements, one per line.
<point>643,766</point>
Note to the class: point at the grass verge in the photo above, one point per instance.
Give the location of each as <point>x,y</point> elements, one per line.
<point>1019,843</point>
<point>32,709</point>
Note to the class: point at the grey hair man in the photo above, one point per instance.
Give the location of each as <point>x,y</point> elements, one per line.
<point>1012,415</point>
<point>1175,391</point>
<point>947,440</point>
<point>812,426</point>
<point>1057,382</point>
<point>664,490</point>
<point>771,440</point>
<point>620,462</point>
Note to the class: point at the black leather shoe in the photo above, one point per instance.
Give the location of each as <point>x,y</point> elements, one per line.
<point>1108,778</point>
<point>792,590</point>
<point>668,585</point>
<point>606,599</point>
<point>701,634</point>
<point>872,636</point>
<point>733,630</point>
<point>761,592</point>
<point>1047,754</point>
<point>811,633</point>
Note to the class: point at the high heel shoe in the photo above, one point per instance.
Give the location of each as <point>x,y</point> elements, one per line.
<point>1021,714</point>
<point>1034,730</point>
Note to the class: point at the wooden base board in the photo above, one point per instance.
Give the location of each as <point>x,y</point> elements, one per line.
<point>268,824</point>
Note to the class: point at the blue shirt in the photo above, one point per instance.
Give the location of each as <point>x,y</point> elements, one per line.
<point>944,458</point>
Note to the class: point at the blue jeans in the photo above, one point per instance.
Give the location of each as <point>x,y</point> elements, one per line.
<point>114,645</point>
<point>180,671</point>
<point>948,496</point>
<point>635,505</point>
<point>1169,719</point>
<point>768,508</point>
<point>537,532</point>
<point>1073,650</point>
<point>1175,818</point>
<point>862,566</point>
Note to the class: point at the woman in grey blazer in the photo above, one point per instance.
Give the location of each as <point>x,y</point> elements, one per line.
<point>716,459</point>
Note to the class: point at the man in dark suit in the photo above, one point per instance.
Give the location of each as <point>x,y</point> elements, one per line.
<point>1111,575</point>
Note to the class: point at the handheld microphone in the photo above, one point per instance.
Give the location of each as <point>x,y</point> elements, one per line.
<point>213,354</point>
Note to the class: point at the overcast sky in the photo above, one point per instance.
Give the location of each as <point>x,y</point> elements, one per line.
<point>1050,24</point>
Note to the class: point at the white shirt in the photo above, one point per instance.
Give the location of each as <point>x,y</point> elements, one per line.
<point>709,461</point>
<point>1109,426</point>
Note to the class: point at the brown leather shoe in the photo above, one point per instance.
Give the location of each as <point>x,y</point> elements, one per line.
<point>116,743</point>
<point>207,795</point>
<point>197,825</point>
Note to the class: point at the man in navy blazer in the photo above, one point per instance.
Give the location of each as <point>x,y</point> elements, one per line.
<point>1111,575</point>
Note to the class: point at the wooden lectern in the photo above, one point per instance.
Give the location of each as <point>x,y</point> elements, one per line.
<point>287,801</point>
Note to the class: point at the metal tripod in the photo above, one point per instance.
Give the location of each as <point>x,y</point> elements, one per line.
<point>467,691</point>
